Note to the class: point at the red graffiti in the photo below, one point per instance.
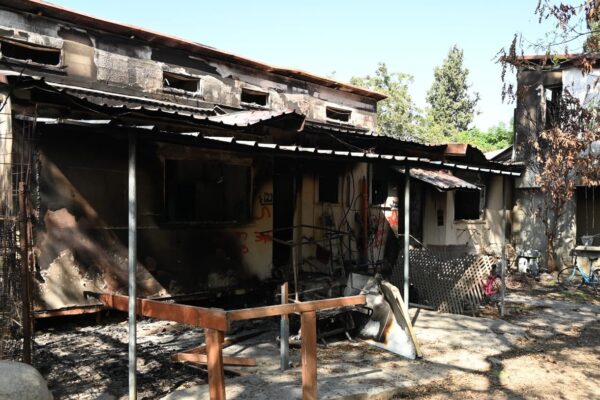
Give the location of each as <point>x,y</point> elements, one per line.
<point>393,219</point>
<point>262,238</point>
<point>264,212</point>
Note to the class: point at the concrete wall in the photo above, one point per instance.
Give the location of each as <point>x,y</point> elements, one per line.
<point>124,65</point>
<point>479,236</point>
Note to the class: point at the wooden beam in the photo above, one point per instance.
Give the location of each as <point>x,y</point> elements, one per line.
<point>201,358</point>
<point>68,311</point>
<point>308,322</point>
<point>212,318</point>
<point>305,306</point>
<point>216,374</point>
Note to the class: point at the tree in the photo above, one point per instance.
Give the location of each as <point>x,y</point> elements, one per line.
<point>396,115</point>
<point>497,137</point>
<point>452,106</point>
<point>563,159</point>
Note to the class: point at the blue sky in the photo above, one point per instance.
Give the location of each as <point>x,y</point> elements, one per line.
<point>348,37</point>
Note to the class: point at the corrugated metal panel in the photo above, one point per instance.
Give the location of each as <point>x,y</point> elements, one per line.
<point>111,99</point>
<point>251,117</point>
<point>441,179</point>
<point>357,155</point>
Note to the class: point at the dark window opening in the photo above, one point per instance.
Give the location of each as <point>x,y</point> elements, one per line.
<point>29,52</point>
<point>552,95</point>
<point>440,217</point>
<point>379,191</point>
<point>588,215</point>
<point>469,204</point>
<point>328,188</point>
<point>254,97</point>
<point>207,191</point>
<point>181,82</point>
<point>338,114</point>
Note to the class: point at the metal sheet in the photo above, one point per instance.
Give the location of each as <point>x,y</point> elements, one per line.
<point>442,180</point>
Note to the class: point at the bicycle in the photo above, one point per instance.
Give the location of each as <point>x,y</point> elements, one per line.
<point>575,276</point>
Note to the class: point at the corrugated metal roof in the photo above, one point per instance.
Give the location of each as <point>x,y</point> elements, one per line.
<point>441,179</point>
<point>112,99</point>
<point>251,117</point>
<point>355,155</point>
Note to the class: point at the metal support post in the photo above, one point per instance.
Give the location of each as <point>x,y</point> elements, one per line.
<point>132,264</point>
<point>285,331</point>
<point>504,262</point>
<point>406,234</point>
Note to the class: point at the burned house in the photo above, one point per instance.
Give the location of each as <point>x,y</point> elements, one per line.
<point>542,82</point>
<point>246,173</point>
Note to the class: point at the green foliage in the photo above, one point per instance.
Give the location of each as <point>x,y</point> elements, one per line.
<point>497,137</point>
<point>397,115</point>
<point>452,106</point>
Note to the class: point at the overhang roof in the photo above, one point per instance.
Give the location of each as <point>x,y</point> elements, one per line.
<point>274,149</point>
<point>442,180</point>
<point>42,8</point>
<point>557,61</point>
<point>79,110</point>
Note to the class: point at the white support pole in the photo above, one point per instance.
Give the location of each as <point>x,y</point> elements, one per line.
<point>504,262</point>
<point>406,234</point>
<point>132,264</point>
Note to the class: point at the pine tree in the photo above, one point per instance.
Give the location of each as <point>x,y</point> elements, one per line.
<point>452,107</point>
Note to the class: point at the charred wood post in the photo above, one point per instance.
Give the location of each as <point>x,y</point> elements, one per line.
<point>25,275</point>
<point>132,264</point>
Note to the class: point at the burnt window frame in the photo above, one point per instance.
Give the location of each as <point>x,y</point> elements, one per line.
<point>254,92</point>
<point>552,105</point>
<point>331,112</point>
<point>182,77</point>
<point>170,218</point>
<point>482,203</point>
<point>31,46</point>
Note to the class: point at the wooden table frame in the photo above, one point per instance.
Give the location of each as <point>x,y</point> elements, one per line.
<point>216,323</point>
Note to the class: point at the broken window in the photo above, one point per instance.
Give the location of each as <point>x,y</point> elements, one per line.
<point>469,204</point>
<point>254,97</point>
<point>181,82</point>
<point>29,52</point>
<point>207,191</point>
<point>328,188</point>
<point>379,191</point>
<point>552,95</point>
<point>338,114</point>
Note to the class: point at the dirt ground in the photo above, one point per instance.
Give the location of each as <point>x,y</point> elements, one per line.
<point>547,347</point>
<point>558,359</point>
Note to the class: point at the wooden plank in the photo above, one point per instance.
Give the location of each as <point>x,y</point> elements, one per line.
<point>308,322</point>
<point>68,311</point>
<point>213,318</point>
<point>305,306</point>
<point>228,341</point>
<point>216,374</point>
<point>200,358</point>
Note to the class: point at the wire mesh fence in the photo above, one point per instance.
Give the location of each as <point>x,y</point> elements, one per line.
<point>15,247</point>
